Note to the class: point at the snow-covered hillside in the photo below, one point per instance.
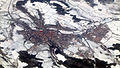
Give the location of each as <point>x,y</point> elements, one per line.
<point>59,33</point>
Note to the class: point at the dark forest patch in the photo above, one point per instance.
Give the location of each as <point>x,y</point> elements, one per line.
<point>86,63</point>
<point>1,66</point>
<point>76,19</point>
<point>30,59</point>
<point>40,1</point>
<point>115,47</point>
<point>59,9</point>
<point>91,3</point>
<point>106,1</point>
